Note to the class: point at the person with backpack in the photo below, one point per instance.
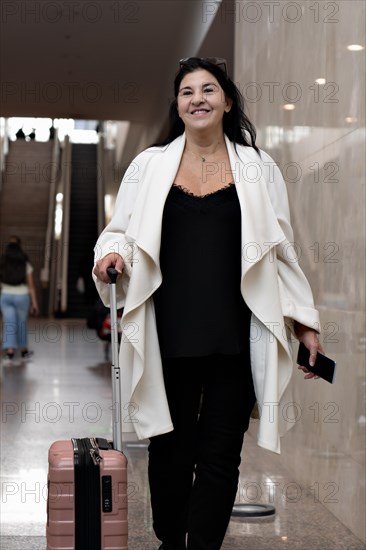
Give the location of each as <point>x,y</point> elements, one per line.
<point>17,299</point>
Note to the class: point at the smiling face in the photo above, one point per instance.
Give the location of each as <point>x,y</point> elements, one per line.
<point>201,102</point>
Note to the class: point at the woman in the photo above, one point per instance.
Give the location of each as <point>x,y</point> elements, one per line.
<point>18,296</point>
<point>206,322</point>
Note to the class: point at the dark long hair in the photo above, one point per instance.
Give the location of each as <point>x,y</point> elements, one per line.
<point>13,265</point>
<point>236,124</point>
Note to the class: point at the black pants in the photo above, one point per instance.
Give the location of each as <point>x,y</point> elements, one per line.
<point>193,471</point>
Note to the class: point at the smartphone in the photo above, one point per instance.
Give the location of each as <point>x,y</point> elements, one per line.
<point>324,366</point>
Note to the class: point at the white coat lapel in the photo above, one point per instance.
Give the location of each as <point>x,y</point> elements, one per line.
<point>260,228</point>
<point>261,232</point>
<point>145,224</point>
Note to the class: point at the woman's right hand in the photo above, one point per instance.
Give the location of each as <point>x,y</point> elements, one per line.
<point>34,310</point>
<point>110,260</point>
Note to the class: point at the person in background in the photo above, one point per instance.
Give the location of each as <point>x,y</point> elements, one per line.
<point>52,131</point>
<point>207,326</point>
<point>17,299</point>
<point>20,134</point>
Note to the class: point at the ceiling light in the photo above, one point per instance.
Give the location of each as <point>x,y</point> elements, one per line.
<point>355,47</point>
<point>289,107</point>
<point>320,81</point>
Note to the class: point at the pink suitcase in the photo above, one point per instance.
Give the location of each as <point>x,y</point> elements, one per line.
<point>87,480</point>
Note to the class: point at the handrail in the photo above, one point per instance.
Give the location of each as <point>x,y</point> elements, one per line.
<point>4,150</point>
<point>100,183</point>
<point>45,271</point>
<point>65,222</point>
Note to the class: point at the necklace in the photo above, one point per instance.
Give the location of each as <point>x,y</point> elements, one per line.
<point>203,159</point>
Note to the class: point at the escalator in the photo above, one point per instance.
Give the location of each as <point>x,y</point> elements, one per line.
<point>83,230</point>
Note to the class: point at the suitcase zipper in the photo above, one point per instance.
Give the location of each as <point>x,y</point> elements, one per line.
<point>87,495</point>
<point>94,452</point>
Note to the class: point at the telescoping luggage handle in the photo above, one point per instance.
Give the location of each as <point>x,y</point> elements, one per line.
<point>115,368</point>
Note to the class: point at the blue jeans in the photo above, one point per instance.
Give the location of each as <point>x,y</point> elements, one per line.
<point>15,310</point>
<point>193,470</point>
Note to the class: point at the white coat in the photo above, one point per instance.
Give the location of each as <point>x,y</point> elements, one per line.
<point>272,284</point>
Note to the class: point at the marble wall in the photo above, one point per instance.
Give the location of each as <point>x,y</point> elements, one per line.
<point>315,131</point>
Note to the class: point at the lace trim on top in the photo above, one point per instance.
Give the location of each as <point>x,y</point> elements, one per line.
<point>188,192</point>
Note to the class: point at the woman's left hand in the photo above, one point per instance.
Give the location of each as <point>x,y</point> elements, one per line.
<point>309,338</point>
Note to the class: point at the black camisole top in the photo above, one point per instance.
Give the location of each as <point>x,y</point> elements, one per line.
<point>199,306</point>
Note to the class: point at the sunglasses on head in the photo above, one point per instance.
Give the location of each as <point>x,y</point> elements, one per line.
<point>219,61</point>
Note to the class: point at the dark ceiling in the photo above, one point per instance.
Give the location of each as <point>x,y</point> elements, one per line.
<point>104,59</point>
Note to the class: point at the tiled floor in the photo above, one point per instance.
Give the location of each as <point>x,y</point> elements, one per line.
<point>65,391</point>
